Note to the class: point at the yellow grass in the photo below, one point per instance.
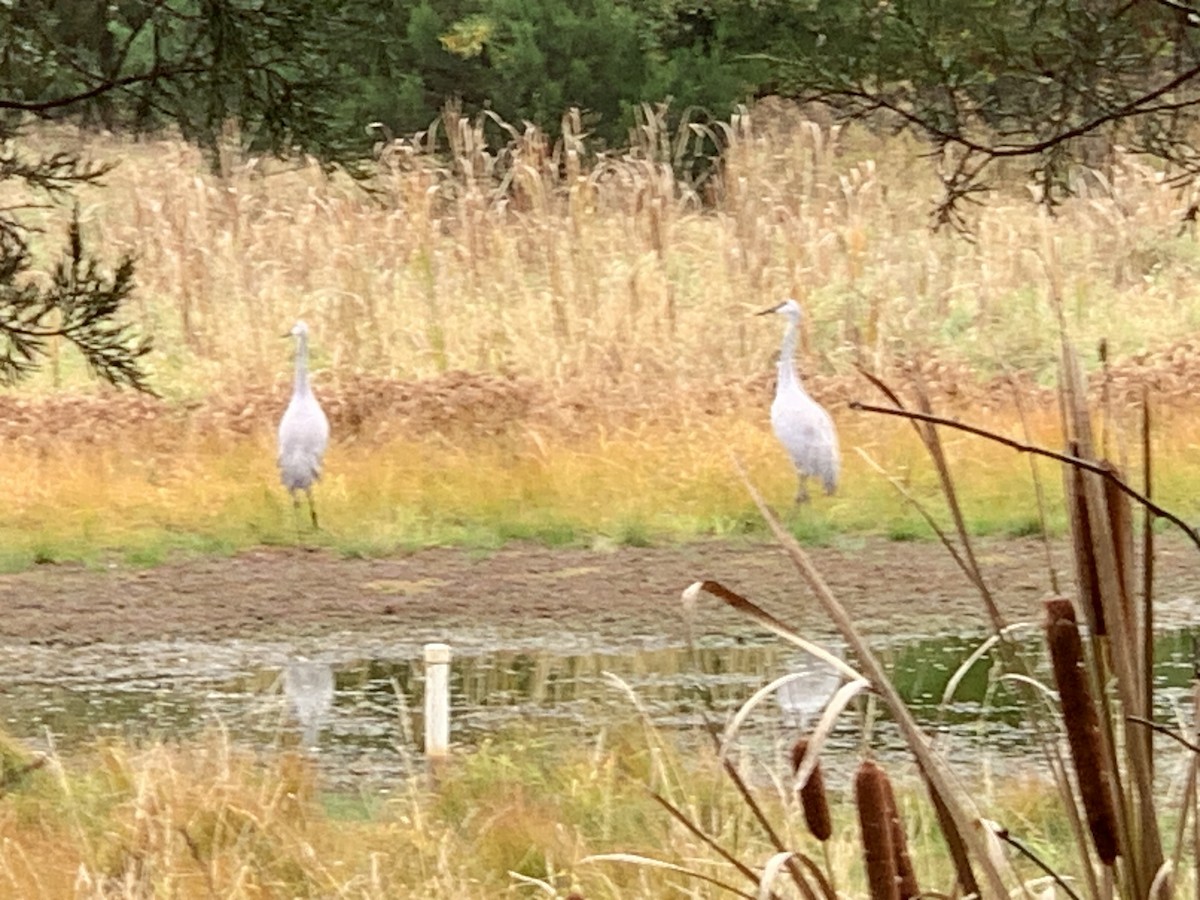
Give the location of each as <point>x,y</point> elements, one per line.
<point>623,300</point>
<point>218,494</point>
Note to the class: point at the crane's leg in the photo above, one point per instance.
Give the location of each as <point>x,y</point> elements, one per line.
<point>295,510</point>
<point>802,493</point>
<point>312,509</point>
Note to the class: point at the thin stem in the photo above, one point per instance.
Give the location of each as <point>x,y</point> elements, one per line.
<point>713,844</point>
<point>916,504</point>
<point>1004,835</point>
<point>1147,572</point>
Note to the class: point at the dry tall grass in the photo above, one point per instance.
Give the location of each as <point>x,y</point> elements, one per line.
<point>210,820</point>
<point>597,303</point>
<point>608,279</point>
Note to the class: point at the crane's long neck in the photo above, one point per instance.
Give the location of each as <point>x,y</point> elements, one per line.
<point>787,358</point>
<point>300,386</point>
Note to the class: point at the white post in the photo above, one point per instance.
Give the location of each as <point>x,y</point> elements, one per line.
<point>437,700</point>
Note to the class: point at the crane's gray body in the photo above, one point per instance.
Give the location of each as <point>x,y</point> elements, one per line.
<point>801,424</point>
<point>303,431</point>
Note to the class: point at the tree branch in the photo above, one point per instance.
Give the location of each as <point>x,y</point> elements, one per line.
<point>42,106</point>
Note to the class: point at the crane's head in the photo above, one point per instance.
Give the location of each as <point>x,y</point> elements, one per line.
<point>788,307</point>
<point>299,330</point>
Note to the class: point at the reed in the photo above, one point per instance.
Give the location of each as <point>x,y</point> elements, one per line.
<point>605,280</point>
<point>1104,702</point>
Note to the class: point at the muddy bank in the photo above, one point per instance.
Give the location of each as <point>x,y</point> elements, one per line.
<point>888,586</point>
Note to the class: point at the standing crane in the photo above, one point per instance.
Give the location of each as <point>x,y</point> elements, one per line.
<point>801,424</point>
<point>303,431</point>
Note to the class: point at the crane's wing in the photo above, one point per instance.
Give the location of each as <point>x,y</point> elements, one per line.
<point>303,437</point>
<point>807,434</point>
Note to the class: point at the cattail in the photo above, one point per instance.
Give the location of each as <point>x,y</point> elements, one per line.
<point>875,822</point>
<point>1083,726</point>
<point>812,795</point>
<point>905,875</point>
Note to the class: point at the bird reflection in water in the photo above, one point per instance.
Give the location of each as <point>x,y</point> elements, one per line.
<point>308,685</point>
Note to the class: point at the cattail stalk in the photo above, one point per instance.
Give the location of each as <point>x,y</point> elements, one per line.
<point>1147,579</point>
<point>871,791</point>
<point>812,795</point>
<point>1083,727</point>
<point>1120,523</point>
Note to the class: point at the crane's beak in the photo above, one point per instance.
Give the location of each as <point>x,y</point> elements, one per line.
<point>769,310</point>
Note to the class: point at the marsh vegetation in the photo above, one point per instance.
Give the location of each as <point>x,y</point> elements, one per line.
<point>525,340</point>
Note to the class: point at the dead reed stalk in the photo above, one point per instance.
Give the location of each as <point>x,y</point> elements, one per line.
<point>1083,547</point>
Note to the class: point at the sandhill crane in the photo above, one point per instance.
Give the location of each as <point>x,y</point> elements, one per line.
<point>303,431</point>
<point>801,424</point>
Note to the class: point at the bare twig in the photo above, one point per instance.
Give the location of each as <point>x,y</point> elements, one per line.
<point>1163,729</point>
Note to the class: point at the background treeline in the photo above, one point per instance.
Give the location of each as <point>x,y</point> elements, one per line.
<point>399,61</point>
<point>1027,77</point>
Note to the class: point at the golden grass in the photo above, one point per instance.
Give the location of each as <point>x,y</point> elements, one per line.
<point>208,819</point>
<point>220,494</point>
<point>625,302</point>
<point>622,299</point>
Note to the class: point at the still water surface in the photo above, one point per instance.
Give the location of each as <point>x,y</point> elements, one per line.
<point>355,702</point>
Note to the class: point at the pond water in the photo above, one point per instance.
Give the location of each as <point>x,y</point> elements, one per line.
<point>356,702</point>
